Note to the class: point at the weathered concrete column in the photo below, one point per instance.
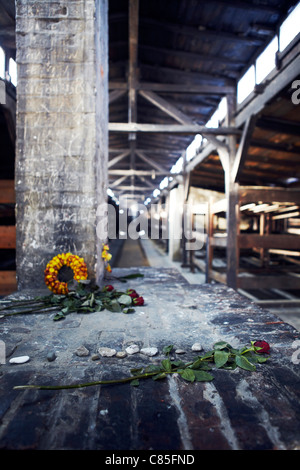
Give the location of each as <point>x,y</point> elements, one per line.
<point>62,132</point>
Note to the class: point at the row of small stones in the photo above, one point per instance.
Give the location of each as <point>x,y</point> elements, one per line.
<point>108,352</point>
<point>130,350</point>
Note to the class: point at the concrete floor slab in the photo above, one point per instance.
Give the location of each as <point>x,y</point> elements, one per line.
<point>237,410</point>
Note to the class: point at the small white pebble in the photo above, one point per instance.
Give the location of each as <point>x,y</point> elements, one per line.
<point>19,360</point>
<point>107,352</point>
<point>132,349</point>
<point>197,347</point>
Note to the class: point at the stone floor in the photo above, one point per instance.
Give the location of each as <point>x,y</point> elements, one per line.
<point>238,410</point>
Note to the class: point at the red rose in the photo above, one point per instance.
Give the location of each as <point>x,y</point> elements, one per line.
<point>108,288</point>
<point>132,293</point>
<point>138,301</point>
<point>265,347</point>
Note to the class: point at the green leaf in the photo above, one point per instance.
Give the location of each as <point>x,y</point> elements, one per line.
<point>167,349</point>
<point>188,374</point>
<point>136,371</point>
<point>220,358</point>
<point>197,363</point>
<point>166,363</point>
<point>113,306</point>
<point>125,299</point>
<point>152,368</point>
<point>261,359</point>
<point>128,310</point>
<point>178,363</point>
<point>243,363</point>
<point>221,345</point>
<point>202,376</point>
<point>135,383</point>
<point>92,300</point>
<point>159,376</point>
<point>59,316</point>
<point>131,276</point>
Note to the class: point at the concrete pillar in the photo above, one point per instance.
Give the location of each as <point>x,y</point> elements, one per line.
<point>62,133</point>
<point>176,200</point>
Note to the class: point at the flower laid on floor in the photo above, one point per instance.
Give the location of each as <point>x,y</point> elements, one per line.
<point>222,356</point>
<point>54,266</point>
<point>82,297</point>
<point>78,294</point>
<point>262,347</point>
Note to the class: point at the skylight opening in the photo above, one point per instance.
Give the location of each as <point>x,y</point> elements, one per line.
<point>219,114</point>
<point>193,147</point>
<point>289,28</point>
<point>265,63</point>
<point>177,167</point>
<point>164,183</point>
<point>246,84</point>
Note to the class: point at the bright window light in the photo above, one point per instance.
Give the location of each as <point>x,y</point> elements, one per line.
<point>164,183</point>
<point>265,63</point>
<point>289,28</point>
<point>193,147</point>
<point>177,167</point>
<point>214,120</point>
<point>222,108</point>
<point>219,114</point>
<point>246,84</point>
<point>13,71</point>
<point>156,192</point>
<point>2,63</point>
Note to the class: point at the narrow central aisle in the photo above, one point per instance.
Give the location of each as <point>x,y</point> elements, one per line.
<point>132,255</point>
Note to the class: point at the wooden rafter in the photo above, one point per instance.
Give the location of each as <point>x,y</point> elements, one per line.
<point>192,129</point>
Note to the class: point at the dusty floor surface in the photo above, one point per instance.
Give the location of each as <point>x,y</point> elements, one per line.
<point>237,410</point>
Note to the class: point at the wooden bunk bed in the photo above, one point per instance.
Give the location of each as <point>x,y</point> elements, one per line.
<point>267,242</point>
<point>8,283</point>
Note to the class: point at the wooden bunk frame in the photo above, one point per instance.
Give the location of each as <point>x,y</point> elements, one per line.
<point>8,282</point>
<point>269,206</point>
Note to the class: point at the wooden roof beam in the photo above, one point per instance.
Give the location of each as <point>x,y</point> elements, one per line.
<point>242,152</point>
<point>192,129</point>
<point>218,90</point>
<point>200,32</point>
<point>133,28</point>
<point>118,158</point>
<point>194,57</point>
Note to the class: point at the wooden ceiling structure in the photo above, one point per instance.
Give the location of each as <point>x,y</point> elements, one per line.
<point>170,64</point>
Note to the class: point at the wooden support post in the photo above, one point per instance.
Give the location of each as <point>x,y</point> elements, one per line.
<point>209,245</point>
<point>132,78</point>
<point>185,213</point>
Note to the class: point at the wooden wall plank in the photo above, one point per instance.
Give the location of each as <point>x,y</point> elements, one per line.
<point>279,241</point>
<point>268,282</point>
<point>8,282</point>
<point>7,192</point>
<point>7,236</point>
<point>249,194</point>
